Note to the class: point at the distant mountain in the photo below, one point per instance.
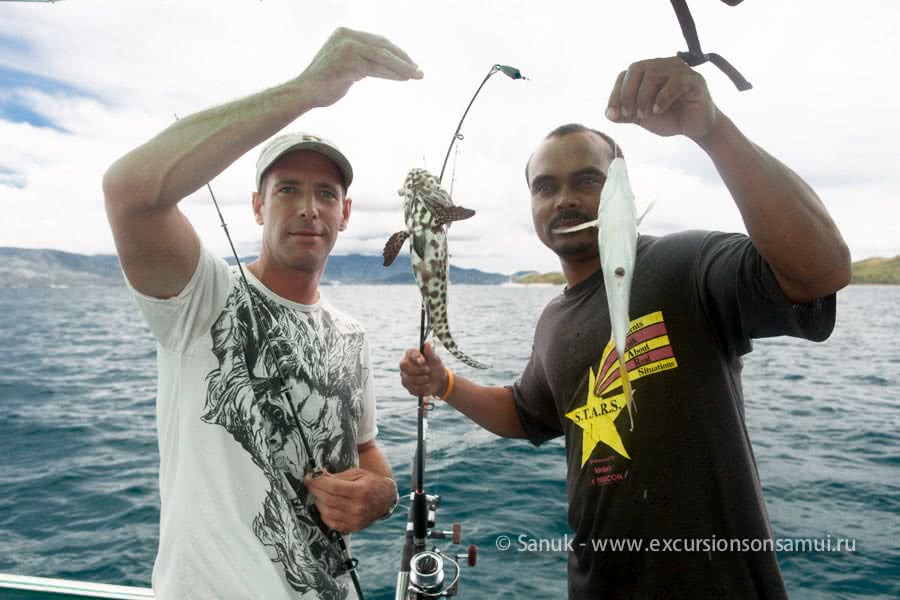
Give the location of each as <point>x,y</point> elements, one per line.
<point>870,270</point>
<point>358,268</point>
<point>544,278</point>
<point>361,268</point>
<point>20,267</point>
<point>877,270</point>
<point>25,268</point>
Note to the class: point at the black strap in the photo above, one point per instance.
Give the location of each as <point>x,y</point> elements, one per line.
<point>695,55</point>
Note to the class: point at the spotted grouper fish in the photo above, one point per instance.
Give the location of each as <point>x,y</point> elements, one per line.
<point>427,209</point>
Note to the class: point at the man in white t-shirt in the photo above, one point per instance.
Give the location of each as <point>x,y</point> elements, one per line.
<point>265,408</point>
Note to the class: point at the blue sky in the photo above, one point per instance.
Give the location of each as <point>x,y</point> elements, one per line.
<point>82,82</point>
<point>14,106</point>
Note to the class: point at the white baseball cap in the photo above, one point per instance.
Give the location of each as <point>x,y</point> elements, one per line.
<point>280,145</point>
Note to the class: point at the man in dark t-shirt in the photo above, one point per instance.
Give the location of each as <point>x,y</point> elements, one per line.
<point>669,506</point>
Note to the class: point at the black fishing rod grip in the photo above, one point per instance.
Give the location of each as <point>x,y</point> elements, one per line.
<point>420,515</point>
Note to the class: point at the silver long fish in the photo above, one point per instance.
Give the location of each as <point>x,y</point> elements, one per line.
<point>617,232</point>
<point>427,209</point>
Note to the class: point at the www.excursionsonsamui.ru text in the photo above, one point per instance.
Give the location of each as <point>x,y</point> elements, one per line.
<point>566,543</point>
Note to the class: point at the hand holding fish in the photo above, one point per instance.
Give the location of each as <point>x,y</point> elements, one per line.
<point>423,375</point>
<point>349,56</point>
<point>664,96</point>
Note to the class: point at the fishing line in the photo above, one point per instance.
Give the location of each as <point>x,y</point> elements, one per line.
<point>336,538</point>
<point>455,162</point>
<point>422,509</point>
<point>511,72</point>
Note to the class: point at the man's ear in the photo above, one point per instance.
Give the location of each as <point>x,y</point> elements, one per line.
<point>257,207</point>
<point>345,218</point>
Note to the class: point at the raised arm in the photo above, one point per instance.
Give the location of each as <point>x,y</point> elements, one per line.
<point>157,245</point>
<point>490,407</point>
<point>788,224</point>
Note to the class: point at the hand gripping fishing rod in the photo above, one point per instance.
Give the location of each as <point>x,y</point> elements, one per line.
<point>421,574</point>
<point>339,545</point>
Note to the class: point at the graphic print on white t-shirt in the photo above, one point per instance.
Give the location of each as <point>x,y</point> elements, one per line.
<point>322,363</point>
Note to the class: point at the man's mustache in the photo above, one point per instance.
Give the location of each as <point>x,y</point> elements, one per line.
<point>570,215</point>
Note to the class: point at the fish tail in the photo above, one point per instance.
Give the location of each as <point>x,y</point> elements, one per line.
<point>442,333</point>
<point>438,319</point>
<point>453,349</point>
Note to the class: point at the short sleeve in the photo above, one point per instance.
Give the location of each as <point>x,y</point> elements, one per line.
<point>178,321</point>
<point>367,428</point>
<point>742,297</point>
<point>534,404</point>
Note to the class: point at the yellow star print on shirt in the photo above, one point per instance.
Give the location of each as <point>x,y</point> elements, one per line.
<point>650,353</point>
<point>597,420</point>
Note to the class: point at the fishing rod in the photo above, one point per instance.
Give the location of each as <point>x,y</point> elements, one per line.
<point>511,72</point>
<point>279,385</point>
<point>422,575</point>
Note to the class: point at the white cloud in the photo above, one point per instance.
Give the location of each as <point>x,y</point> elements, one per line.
<point>822,103</point>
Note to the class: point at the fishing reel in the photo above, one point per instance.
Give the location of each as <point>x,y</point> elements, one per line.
<point>424,572</point>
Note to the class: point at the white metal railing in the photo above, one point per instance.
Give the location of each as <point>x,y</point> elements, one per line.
<point>82,589</point>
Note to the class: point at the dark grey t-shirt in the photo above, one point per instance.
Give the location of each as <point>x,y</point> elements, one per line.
<point>685,478</point>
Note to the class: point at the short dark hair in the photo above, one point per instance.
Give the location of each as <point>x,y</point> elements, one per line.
<point>615,150</point>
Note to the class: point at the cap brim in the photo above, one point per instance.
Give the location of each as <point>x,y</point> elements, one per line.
<point>326,150</point>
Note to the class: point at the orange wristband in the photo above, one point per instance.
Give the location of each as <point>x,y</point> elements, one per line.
<point>449,384</point>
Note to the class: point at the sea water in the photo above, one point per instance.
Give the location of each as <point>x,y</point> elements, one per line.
<point>78,451</point>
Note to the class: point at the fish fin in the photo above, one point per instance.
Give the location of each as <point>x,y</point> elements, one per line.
<point>646,210</point>
<point>448,214</point>
<point>579,227</point>
<point>428,328</point>
<point>392,247</point>
<point>418,245</point>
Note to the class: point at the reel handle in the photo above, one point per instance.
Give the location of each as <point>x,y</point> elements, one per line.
<point>455,534</point>
<point>471,557</point>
